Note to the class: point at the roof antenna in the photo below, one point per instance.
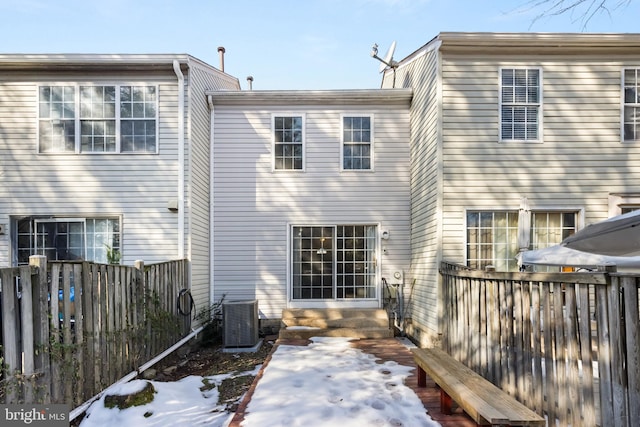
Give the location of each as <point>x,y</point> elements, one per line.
<point>387,61</point>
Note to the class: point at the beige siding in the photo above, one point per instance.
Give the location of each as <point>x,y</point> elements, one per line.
<point>135,187</point>
<point>254,206</point>
<point>455,127</point>
<point>580,161</point>
<point>197,192</point>
<point>421,74</point>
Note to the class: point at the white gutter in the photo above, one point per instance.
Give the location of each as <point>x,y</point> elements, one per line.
<point>211,204</point>
<point>181,168</point>
<point>82,408</point>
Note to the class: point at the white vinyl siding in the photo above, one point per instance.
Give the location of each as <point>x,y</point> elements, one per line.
<point>135,189</point>
<point>422,75</point>
<point>197,186</point>
<point>580,163</point>
<point>91,186</point>
<point>255,208</point>
<point>457,166</point>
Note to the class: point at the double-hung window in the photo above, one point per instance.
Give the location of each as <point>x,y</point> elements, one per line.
<point>631,107</point>
<point>356,143</point>
<point>520,104</point>
<point>288,142</point>
<point>98,119</point>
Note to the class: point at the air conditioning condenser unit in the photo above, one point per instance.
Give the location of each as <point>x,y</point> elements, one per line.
<point>240,323</point>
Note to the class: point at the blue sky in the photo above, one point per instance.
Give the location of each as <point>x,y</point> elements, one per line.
<point>283,44</point>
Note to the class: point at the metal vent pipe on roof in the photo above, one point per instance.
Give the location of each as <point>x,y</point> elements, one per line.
<point>221,51</point>
<point>250,81</point>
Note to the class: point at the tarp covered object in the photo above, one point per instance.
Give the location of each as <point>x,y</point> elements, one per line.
<point>559,255</point>
<point>616,236</point>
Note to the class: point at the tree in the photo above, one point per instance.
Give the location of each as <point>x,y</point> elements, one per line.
<point>580,10</point>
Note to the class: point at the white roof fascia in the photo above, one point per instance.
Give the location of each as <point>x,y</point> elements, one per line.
<point>312,97</point>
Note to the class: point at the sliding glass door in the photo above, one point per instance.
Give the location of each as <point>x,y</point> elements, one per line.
<point>334,262</point>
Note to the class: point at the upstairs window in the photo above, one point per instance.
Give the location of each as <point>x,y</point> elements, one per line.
<point>356,143</point>
<point>631,107</point>
<point>288,144</point>
<point>520,104</point>
<point>98,119</point>
<point>57,124</point>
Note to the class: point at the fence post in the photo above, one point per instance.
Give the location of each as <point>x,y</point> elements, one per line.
<point>140,301</point>
<point>40,288</point>
<point>632,353</point>
<point>26,320</point>
<point>9,328</point>
<point>618,350</point>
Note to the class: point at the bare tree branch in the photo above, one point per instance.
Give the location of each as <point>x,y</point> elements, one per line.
<point>579,10</point>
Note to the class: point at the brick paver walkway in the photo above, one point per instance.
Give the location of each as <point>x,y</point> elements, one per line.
<point>385,349</point>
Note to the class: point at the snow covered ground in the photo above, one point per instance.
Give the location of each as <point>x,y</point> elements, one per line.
<point>326,383</point>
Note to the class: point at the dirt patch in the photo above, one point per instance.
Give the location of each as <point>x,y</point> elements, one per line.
<point>211,360</point>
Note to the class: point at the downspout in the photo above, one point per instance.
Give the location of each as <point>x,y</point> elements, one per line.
<point>211,203</point>
<point>181,157</point>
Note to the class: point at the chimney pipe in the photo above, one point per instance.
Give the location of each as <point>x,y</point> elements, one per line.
<point>221,52</point>
<point>250,80</point>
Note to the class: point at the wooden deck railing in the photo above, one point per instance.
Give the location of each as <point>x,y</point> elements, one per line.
<point>70,329</point>
<point>567,345</point>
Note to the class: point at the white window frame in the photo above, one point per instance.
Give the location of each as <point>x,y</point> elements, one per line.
<point>620,201</point>
<point>360,302</point>
<point>578,211</point>
<point>538,104</point>
<point>77,119</point>
<point>371,141</point>
<point>303,116</point>
<point>624,104</point>
<point>85,236</point>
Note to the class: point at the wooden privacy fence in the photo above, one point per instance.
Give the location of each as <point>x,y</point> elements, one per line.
<point>69,334</point>
<point>566,345</point>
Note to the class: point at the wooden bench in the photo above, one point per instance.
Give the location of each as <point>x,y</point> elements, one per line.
<point>485,403</point>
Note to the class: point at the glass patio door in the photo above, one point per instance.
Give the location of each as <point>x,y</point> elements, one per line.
<point>334,262</point>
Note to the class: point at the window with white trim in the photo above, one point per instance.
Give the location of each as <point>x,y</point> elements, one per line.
<point>520,104</point>
<point>288,142</point>
<point>91,239</point>
<point>631,106</point>
<point>98,119</point>
<point>492,236</point>
<point>334,262</point>
<point>356,143</point>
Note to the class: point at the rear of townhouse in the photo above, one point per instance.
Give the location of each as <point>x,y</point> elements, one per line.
<point>106,158</point>
<point>311,197</point>
<point>504,120</point>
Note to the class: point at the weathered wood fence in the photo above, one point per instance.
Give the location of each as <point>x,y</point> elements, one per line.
<point>567,345</point>
<point>71,329</point>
